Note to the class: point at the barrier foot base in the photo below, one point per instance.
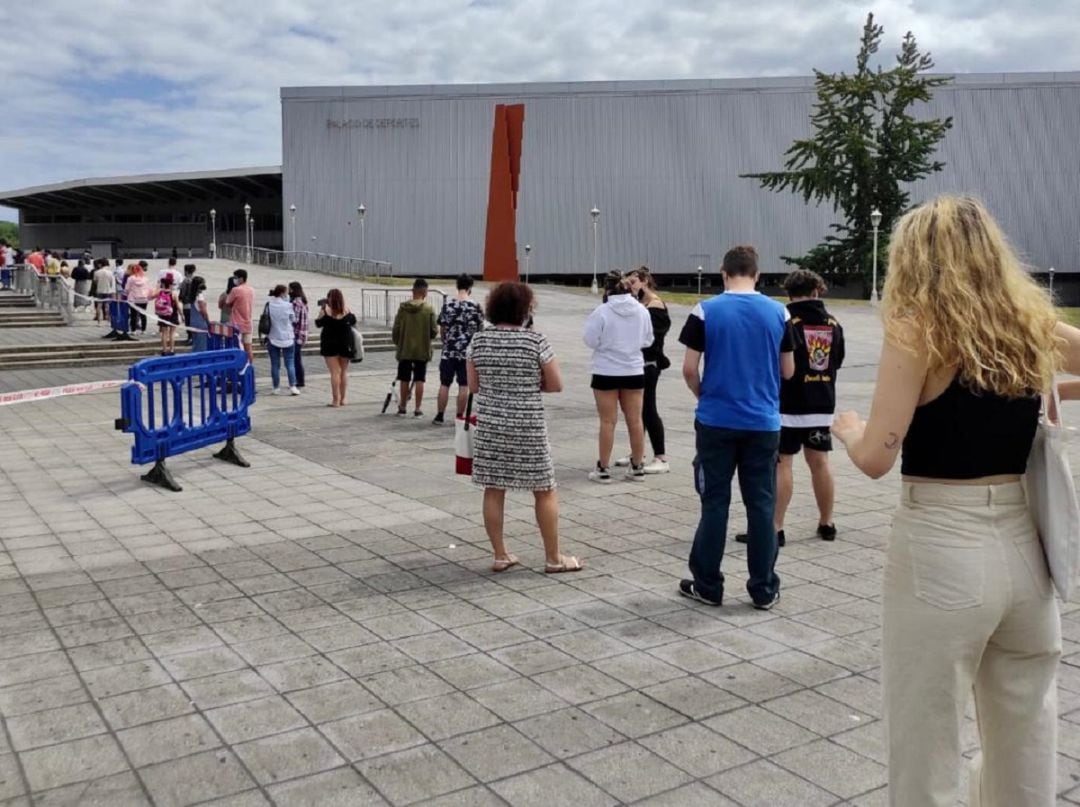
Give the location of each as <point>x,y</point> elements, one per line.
<point>161,476</point>
<point>230,454</point>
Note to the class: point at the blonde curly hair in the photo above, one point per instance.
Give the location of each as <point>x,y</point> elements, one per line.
<point>957,292</point>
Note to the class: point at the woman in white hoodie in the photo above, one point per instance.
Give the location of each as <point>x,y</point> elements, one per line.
<point>617,331</point>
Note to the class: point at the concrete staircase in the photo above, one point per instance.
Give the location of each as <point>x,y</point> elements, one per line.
<point>103,352</point>
<point>20,311</point>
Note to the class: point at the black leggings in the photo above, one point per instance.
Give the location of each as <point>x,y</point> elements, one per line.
<point>653,424</point>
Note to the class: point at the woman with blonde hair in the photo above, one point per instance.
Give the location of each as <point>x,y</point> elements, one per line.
<point>971,342</point>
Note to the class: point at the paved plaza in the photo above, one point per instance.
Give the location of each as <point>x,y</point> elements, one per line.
<point>323,628</point>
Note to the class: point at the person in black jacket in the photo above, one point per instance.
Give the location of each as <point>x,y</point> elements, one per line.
<point>643,287</point>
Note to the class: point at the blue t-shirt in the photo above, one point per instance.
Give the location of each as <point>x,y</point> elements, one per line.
<point>742,337</point>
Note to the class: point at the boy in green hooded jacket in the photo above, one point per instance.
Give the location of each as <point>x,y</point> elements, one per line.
<point>414,330</point>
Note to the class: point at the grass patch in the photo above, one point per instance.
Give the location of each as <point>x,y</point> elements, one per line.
<point>1070,315</point>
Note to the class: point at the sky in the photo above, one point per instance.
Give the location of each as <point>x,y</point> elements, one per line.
<point>111,87</point>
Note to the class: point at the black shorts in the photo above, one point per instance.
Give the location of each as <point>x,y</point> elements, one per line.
<point>793,438</point>
<point>610,383</point>
<point>451,370</point>
<point>412,371</point>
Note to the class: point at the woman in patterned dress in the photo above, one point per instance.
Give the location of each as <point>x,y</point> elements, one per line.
<point>509,366</point>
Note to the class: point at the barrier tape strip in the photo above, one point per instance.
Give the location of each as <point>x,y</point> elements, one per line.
<point>143,313</point>
<point>43,393</point>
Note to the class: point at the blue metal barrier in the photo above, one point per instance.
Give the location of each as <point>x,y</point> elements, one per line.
<point>186,402</point>
<point>222,337</point>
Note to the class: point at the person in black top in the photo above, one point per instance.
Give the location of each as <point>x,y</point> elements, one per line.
<point>337,345</point>
<point>971,341</point>
<point>643,286</point>
<point>808,400</point>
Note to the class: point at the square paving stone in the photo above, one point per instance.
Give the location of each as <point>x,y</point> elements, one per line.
<point>533,658</point>
<point>589,645</point>
<point>802,668</point>
<point>568,732</point>
<point>629,772</point>
<point>249,798</point>
<point>693,697</point>
<point>286,756</point>
<point>538,788</point>
<point>253,719</point>
<point>641,633</point>
<point>54,726</point>
<point>821,715</point>
<point>399,625</point>
<point>35,668</point>
<point>302,673</point>
<point>108,681</point>
<point>273,649</point>
<point>11,784</point>
<point>692,794</point>
<point>414,774</point>
<point>693,656</point>
<point>372,734</point>
<point>202,663</point>
<point>579,683</point>
<point>332,701</point>
<point>473,797</point>
<point>108,654</point>
<point>833,768</point>
<point>36,696</point>
<point>433,647</point>
<point>338,636</point>
<point>760,730</point>
<point>168,739</point>
<point>472,671</point>
<point>638,669</point>
<point>750,682</point>
<point>118,790</point>
<point>226,688</point>
<point>447,715</point>
<point>517,699</point>
<point>492,634</point>
<point>370,659</point>
<point>495,753</point>
<point>196,778</point>
<point>634,714</point>
<point>763,783</point>
<point>76,761</point>
<point>144,706</point>
<point>405,684</point>
<point>697,750</point>
<point>343,787</point>
<point>454,615</point>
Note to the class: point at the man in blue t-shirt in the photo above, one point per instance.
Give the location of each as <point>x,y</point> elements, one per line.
<point>743,337</point>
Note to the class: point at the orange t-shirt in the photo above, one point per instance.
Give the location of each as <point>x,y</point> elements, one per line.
<point>241,298</point>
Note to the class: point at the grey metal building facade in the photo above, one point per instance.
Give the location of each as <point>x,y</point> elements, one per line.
<point>661,160</point>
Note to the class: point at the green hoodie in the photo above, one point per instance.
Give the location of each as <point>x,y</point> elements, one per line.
<point>414,328</point>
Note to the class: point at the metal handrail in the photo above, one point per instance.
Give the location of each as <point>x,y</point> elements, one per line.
<point>321,263</point>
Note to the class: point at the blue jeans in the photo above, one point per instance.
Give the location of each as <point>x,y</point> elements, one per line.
<point>720,452</point>
<point>276,355</point>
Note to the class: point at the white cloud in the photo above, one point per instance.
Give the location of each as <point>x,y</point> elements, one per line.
<point>75,102</point>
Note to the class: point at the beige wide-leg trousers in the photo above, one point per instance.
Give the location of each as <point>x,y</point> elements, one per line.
<point>968,604</point>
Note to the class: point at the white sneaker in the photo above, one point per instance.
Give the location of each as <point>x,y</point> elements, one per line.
<point>622,462</point>
<point>601,475</point>
<point>636,473</point>
<point>294,390</point>
<point>657,467</point>
<point>275,391</point>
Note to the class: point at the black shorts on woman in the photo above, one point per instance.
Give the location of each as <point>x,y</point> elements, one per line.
<point>614,383</point>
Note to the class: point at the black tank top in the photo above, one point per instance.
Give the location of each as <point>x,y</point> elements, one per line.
<point>964,434</point>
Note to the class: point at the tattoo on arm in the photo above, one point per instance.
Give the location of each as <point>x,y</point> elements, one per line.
<point>893,441</point>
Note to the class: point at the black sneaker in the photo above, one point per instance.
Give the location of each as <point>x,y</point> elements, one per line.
<point>438,420</point>
<point>826,532</point>
<point>600,474</point>
<point>689,590</point>
<point>768,606</point>
<point>781,540</point>
<point>418,414</point>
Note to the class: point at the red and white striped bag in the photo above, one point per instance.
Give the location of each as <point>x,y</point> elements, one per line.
<point>464,426</point>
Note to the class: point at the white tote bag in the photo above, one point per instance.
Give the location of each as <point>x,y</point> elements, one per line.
<point>1053,503</point>
<point>464,427</point>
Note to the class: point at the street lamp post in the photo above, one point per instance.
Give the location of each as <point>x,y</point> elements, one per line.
<point>595,213</point>
<point>213,233</point>
<point>699,271</point>
<point>875,220</point>
<point>1051,280</point>
<point>361,212</point>
<point>251,228</point>
<point>292,215</point>
<point>247,232</point>
<point>528,249</point>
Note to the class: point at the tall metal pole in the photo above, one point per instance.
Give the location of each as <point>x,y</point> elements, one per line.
<point>247,233</point>
<point>595,213</point>
<point>875,221</point>
<point>1051,280</point>
<point>361,212</point>
<point>213,233</point>
<point>292,214</point>
<point>699,271</point>
<point>528,249</point>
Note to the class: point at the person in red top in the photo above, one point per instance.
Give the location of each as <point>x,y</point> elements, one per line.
<point>37,260</point>
<point>240,300</point>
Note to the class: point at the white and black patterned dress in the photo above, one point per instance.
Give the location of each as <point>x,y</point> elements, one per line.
<point>510,447</point>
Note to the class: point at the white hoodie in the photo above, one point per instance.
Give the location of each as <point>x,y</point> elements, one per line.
<point>617,331</point>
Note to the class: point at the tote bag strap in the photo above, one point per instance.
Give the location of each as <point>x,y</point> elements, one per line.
<point>468,412</point>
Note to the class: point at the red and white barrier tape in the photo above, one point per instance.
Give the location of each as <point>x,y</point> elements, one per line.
<point>143,312</point>
<point>28,395</point>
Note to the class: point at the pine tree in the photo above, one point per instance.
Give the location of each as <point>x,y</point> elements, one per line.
<point>866,147</point>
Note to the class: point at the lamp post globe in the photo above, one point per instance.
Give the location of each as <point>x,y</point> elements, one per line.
<point>595,214</point>
<point>875,222</point>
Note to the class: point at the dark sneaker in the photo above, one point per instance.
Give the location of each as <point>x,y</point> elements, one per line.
<point>689,590</point>
<point>438,420</point>
<point>768,606</point>
<point>781,540</point>
<point>636,473</point>
<point>418,414</point>
<point>826,532</point>
<point>600,474</point>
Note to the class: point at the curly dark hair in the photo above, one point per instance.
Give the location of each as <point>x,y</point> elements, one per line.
<point>803,283</point>
<point>509,304</point>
